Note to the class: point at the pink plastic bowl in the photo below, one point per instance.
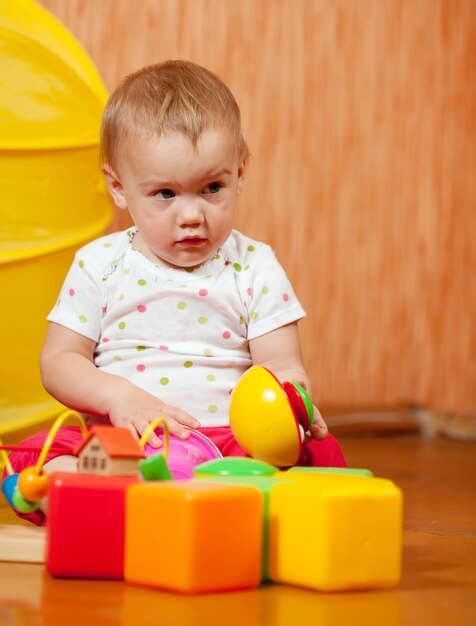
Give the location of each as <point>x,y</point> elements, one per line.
<point>185,455</point>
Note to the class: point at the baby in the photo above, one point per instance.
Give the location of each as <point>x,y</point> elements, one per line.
<point>164,318</point>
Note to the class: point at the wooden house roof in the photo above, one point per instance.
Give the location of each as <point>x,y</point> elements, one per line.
<point>116,442</point>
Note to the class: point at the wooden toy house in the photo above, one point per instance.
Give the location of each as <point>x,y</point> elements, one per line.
<point>109,451</point>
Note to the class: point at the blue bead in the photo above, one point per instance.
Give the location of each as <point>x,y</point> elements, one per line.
<point>8,487</point>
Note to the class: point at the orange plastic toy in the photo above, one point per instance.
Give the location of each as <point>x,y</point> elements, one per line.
<point>193,536</point>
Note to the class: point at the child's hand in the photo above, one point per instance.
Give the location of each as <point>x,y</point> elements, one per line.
<point>133,408</point>
<point>319,427</point>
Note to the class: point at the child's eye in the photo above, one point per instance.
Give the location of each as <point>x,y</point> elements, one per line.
<point>164,194</point>
<point>212,188</point>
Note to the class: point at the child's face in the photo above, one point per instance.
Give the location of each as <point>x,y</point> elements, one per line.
<point>181,199</point>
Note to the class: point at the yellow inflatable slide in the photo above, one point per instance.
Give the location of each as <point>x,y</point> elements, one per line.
<point>52,197</point>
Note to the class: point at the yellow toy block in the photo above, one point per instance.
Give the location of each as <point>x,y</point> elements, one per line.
<point>334,533</point>
<point>193,536</point>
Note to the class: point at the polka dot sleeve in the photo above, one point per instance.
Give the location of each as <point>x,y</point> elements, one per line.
<point>268,295</point>
<point>80,304</point>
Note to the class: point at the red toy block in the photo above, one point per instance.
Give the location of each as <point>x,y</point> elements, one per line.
<point>85,526</point>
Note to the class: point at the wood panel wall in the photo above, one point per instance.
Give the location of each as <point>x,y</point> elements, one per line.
<point>361,118</point>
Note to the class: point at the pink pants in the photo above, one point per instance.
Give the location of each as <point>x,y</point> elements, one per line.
<point>325,453</point>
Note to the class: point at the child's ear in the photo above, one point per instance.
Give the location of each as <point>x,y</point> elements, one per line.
<point>242,168</point>
<point>115,186</point>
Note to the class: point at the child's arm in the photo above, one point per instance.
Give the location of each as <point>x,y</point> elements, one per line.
<point>70,375</point>
<point>280,352</point>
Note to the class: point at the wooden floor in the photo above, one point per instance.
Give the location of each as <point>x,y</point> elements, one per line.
<point>438,587</point>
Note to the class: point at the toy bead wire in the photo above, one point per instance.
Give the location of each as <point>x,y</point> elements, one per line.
<point>6,460</point>
<point>51,435</point>
<point>151,427</point>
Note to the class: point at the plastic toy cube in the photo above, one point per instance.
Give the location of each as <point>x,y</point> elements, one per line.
<point>85,526</point>
<point>334,533</point>
<point>193,537</point>
<point>264,484</point>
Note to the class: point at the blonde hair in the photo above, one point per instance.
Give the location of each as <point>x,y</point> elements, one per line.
<point>174,96</point>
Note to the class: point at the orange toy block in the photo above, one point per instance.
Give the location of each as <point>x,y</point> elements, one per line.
<point>193,536</point>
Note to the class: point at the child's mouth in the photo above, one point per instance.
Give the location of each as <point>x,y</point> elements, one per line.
<point>189,242</point>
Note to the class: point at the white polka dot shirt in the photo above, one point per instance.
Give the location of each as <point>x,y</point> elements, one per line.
<point>180,335</point>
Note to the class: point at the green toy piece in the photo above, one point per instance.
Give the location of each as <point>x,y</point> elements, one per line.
<point>155,468</point>
<point>305,397</point>
<point>22,505</point>
<point>234,466</point>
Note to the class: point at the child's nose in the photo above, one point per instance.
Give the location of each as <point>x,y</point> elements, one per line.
<point>190,213</point>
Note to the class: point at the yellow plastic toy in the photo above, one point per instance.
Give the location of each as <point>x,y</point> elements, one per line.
<point>353,537</point>
<point>269,419</point>
<point>53,197</point>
